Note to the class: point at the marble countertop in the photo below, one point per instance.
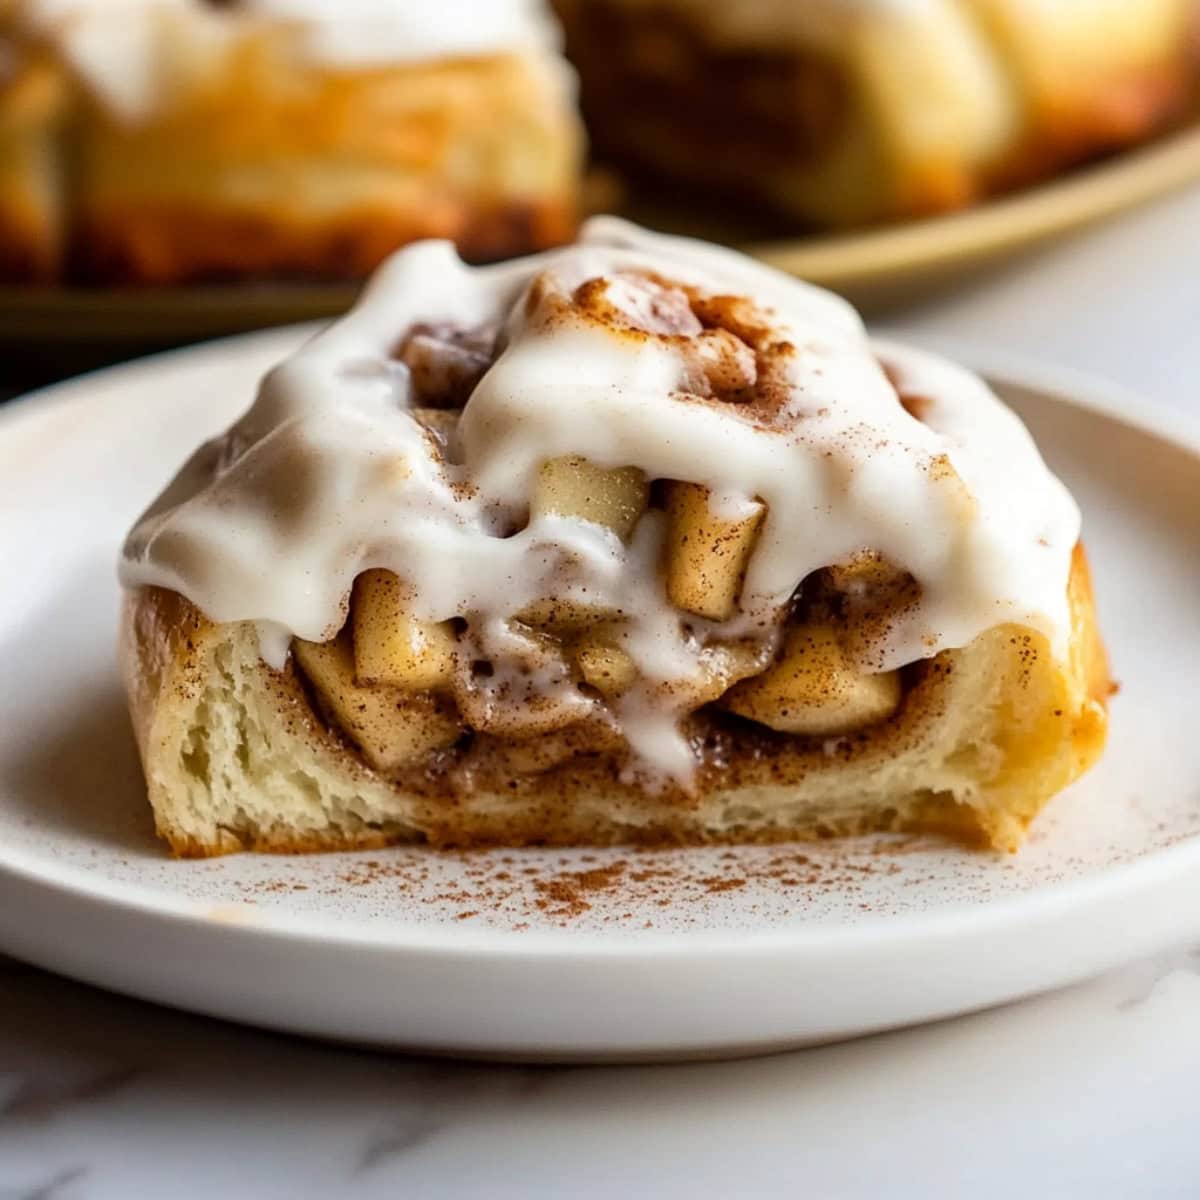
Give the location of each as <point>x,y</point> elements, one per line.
<point>1087,1093</point>
<point>1090,1092</point>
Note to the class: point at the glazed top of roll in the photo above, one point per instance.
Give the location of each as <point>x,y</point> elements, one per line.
<point>630,350</point>
<point>116,45</point>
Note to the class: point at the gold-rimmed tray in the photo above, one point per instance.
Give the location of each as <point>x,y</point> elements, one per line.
<point>873,268</point>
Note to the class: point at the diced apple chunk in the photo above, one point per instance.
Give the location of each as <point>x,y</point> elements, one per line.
<point>812,689</point>
<point>574,487</point>
<point>391,726</point>
<point>526,716</point>
<point>390,646</point>
<point>563,616</point>
<point>721,666</point>
<point>706,555</point>
<point>524,688</point>
<point>533,756</point>
<point>611,671</point>
<point>605,667</point>
<point>866,574</point>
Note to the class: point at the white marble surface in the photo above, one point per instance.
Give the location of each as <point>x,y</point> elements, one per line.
<point>1088,1093</point>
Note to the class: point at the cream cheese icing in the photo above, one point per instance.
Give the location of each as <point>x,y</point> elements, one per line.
<point>116,46</point>
<point>329,474</point>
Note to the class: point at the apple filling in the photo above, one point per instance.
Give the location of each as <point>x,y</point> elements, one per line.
<point>402,689</point>
<point>565,675</point>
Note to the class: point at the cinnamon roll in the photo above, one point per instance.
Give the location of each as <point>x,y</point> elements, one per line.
<point>841,111</point>
<point>632,540</point>
<point>295,138</point>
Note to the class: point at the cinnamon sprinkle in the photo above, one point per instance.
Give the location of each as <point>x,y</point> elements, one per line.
<point>563,895</point>
<point>496,888</point>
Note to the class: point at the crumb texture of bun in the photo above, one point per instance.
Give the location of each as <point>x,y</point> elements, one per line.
<point>237,757</point>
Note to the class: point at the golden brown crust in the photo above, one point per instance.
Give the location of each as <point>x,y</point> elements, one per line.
<point>1069,129</point>
<point>1089,656</point>
<point>157,649</point>
<point>400,115</point>
<point>272,168</point>
<point>167,649</point>
<point>1090,78</point>
<point>164,243</point>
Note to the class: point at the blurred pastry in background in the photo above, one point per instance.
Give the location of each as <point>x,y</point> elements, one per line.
<point>842,112</point>
<point>307,138</point>
<point>31,106</point>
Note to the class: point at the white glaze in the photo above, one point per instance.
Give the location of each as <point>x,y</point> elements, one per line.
<point>328,474</point>
<point>375,31</point>
<point>121,47</point>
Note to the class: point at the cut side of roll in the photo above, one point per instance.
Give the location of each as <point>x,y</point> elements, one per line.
<point>677,554</point>
<point>238,758</point>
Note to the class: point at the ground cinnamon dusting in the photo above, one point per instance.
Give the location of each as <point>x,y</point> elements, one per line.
<point>494,888</point>
<point>722,885</point>
<point>563,895</point>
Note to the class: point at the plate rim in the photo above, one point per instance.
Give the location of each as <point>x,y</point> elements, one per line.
<point>1076,389</point>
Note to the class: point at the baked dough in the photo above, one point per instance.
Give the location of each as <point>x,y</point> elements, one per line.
<point>632,541</point>
<point>844,111</point>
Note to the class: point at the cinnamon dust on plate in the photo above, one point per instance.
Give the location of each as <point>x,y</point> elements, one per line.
<point>504,887</point>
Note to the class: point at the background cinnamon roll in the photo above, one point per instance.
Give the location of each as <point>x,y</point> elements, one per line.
<point>631,540</point>
<point>840,112</point>
<point>286,137</point>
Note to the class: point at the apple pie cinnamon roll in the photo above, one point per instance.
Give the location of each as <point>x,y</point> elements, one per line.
<point>632,540</point>
<point>251,138</point>
<point>843,112</point>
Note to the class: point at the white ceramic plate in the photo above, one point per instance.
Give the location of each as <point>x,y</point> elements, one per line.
<point>571,955</point>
